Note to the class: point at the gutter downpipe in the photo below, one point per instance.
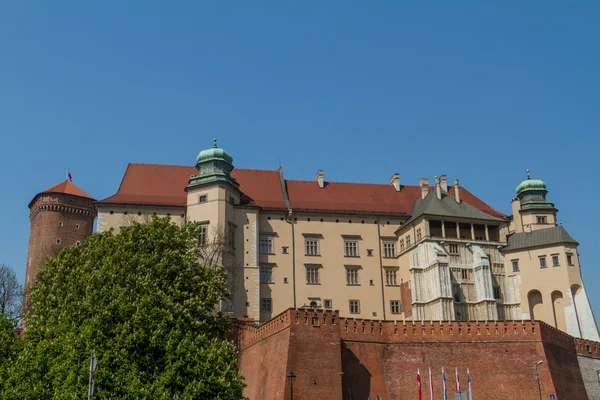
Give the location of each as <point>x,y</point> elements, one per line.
<point>381,266</point>
<point>288,217</point>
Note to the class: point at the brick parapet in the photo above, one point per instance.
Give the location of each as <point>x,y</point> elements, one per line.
<point>248,333</point>
<point>587,348</point>
<point>551,335</point>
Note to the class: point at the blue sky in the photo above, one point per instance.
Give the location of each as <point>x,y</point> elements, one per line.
<point>362,90</point>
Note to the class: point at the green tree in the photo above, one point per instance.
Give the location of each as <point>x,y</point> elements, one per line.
<point>145,304</point>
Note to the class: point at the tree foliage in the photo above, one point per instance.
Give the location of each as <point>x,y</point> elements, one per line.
<point>144,303</point>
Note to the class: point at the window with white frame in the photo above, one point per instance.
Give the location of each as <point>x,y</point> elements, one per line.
<point>401,244</point>
<point>327,303</point>
<point>351,275</point>
<point>266,305</point>
<point>396,306</point>
<point>418,234</point>
<point>266,275</point>
<point>541,220</point>
<point>312,275</point>
<point>555,260</point>
<point>569,259</point>
<point>311,247</point>
<point>543,262</point>
<point>202,234</point>
<point>389,249</point>
<point>408,241</point>
<point>266,245</point>
<point>351,248</point>
<point>354,306</point>
<point>391,277</point>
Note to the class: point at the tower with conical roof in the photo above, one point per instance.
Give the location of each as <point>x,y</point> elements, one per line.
<point>62,215</point>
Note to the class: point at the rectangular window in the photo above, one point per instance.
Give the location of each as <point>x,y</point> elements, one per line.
<point>266,305</point>
<point>389,249</point>
<point>327,303</point>
<point>231,235</point>
<point>352,276</point>
<point>266,245</point>
<point>266,275</point>
<point>78,243</point>
<point>570,259</point>
<point>202,235</point>
<point>370,252</point>
<point>408,241</point>
<point>555,260</point>
<point>391,277</point>
<point>60,224</point>
<point>515,264</point>
<point>350,248</point>
<point>396,306</point>
<point>543,262</point>
<point>354,306</point>
<point>497,292</point>
<point>58,241</point>
<point>464,274</point>
<point>284,249</point>
<point>418,234</point>
<point>203,198</point>
<point>541,220</point>
<point>77,226</point>
<point>401,244</point>
<point>453,249</point>
<point>312,275</point>
<point>312,247</point>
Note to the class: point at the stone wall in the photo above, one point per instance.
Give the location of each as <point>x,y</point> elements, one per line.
<point>334,358</point>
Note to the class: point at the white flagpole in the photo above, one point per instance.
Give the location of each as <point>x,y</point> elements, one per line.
<point>469,379</point>
<point>430,385</point>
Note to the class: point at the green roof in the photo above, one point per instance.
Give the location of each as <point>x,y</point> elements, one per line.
<point>447,207</point>
<point>214,152</point>
<point>531,184</point>
<point>541,237</point>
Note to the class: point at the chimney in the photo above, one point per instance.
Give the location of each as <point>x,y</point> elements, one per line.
<point>444,183</point>
<point>438,188</point>
<point>424,183</point>
<point>456,191</point>
<point>395,181</point>
<point>319,178</point>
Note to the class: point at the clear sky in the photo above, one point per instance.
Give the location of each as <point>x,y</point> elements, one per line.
<point>479,92</point>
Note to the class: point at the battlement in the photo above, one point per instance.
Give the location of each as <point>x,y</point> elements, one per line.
<point>367,330</point>
<point>587,348</point>
<point>245,333</point>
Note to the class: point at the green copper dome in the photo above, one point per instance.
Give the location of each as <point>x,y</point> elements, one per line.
<point>214,152</point>
<point>531,184</point>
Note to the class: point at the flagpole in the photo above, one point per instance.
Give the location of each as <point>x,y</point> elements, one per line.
<point>469,381</point>
<point>419,384</point>
<point>444,383</point>
<point>430,385</point>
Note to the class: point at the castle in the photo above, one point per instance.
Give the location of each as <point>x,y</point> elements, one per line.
<point>391,252</point>
<point>396,253</point>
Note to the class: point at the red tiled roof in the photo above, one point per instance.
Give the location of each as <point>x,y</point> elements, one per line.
<point>152,184</point>
<point>65,187</point>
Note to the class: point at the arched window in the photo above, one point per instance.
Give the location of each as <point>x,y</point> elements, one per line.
<point>313,304</point>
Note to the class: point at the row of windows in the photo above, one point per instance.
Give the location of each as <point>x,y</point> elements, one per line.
<point>60,225</point>
<point>313,276</point>
<point>111,212</point>
<point>543,263</point>
<point>59,241</point>
<point>353,305</point>
<point>312,247</point>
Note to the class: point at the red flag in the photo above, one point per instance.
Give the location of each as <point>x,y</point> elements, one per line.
<point>457,380</point>
<point>69,176</point>
<point>419,384</point>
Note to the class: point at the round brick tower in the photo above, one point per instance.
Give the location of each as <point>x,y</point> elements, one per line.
<point>60,216</point>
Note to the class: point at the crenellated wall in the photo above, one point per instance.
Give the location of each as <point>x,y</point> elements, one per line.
<point>333,357</point>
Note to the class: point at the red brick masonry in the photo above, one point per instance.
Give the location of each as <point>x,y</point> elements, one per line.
<point>333,357</point>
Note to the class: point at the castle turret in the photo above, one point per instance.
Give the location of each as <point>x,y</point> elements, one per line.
<point>60,216</point>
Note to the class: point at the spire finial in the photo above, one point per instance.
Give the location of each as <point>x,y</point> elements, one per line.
<point>528,173</point>
<point>215,142</point>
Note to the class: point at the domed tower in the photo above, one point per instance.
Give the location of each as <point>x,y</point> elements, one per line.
<point>531,210</point>
<point>60,216</point>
